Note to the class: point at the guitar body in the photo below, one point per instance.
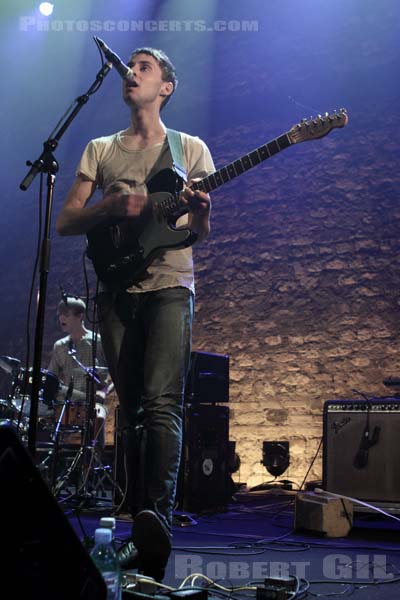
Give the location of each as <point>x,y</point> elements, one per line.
<point>122,249</point>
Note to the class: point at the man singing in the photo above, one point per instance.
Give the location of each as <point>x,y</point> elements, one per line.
<point>145,329</point>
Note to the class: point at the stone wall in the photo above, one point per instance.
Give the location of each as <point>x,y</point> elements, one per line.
<point>298,283</point>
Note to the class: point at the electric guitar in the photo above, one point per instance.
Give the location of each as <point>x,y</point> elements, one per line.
<point>122,249</point>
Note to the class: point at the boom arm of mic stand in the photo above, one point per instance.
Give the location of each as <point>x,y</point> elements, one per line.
<point>46,163</point>
<point>39,165</point>
<point>89,372</point>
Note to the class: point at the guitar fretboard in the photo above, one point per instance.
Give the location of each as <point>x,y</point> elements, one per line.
<point>239,166</point>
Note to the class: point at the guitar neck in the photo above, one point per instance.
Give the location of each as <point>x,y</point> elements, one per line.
<point>239,166</point>
<point>306,130</point>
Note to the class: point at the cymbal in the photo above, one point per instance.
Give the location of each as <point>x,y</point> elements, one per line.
<point>9,364</point>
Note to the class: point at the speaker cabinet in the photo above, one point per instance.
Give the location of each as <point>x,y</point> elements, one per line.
<point>42,556</point>
<point>361,451</point>
<point>208,378</point>
<point>205,480</point>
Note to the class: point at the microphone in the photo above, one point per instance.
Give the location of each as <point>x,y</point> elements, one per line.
<point>64,296</point>
<point>71,347</point>
<point>367,441</point>
<point>114,59</point>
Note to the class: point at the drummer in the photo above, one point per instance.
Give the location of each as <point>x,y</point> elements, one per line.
<point>78,346</point>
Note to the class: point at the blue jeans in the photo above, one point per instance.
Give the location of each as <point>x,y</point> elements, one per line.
<point>146,338</point>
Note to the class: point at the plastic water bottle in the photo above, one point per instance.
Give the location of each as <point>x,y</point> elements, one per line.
<point>105,559</point>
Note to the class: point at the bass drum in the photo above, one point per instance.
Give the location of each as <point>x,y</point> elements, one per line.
<point>73,423</point>
<point>74,415</point>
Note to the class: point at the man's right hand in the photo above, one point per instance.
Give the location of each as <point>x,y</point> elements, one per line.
<point>77,218</point>
<point>123,205</point>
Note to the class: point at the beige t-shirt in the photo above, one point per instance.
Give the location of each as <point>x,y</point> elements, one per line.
<point>64,366</point>
<point>114,167</point>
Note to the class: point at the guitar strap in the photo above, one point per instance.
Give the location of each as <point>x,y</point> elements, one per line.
<point>176,149</point>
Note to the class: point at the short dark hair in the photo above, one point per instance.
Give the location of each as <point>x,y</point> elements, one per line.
<point>73,304</point>
<point>167,68</point>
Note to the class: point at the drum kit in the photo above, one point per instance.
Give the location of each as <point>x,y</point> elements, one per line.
<point>67,424</point>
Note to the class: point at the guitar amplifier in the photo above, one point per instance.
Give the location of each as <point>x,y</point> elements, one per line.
<point>361,451</point>
<point>208,378</point>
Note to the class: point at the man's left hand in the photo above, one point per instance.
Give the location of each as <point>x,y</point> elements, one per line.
<point>199,202</point>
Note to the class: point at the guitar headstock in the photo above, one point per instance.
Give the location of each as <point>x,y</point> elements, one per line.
<point>314,128</point>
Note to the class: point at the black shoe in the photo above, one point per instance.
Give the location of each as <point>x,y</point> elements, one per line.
<point>153,543</point>
<point>128,556</point>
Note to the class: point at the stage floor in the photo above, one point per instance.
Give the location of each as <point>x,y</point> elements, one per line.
<point>253,539</point>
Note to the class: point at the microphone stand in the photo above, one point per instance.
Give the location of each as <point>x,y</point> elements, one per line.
<point>46,163</point>
<point>87,459</point>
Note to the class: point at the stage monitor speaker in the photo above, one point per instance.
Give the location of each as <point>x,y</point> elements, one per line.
<point>208,378</point>
<point>205,478</point>
<point>42,557</point>
<point>361,451</point>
